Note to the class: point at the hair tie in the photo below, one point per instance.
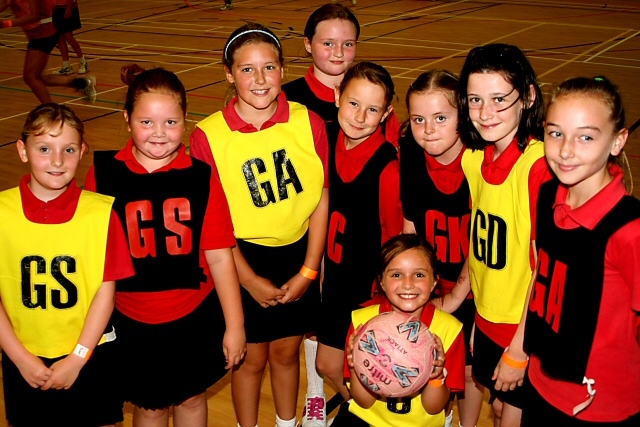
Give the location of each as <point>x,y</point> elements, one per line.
<point>226,48</point>
<point>598,79</point>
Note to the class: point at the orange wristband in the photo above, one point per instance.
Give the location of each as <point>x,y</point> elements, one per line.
<point>436,383</point>
<point>7,23</point>
<point>308,273</point>
<point>517,364</point>
<point>439,383</point>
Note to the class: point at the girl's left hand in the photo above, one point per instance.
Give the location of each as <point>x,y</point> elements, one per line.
<point>64,372</point>
<point>438,362</point>
<point>234,346</point>
<point>294,288</point>
<point>507,377</point>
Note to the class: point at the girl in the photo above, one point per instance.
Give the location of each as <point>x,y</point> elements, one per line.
<point>407,277</point>
<point>180,238</point>
<point>56,292</point>
<point>330,37</point>
<point>34,17</point>
<point>271,159</point>
<point>500,115</point>
<point>435,198</point>
<point>364,208</point>
<point>66,18</point>
<point>584,308</point>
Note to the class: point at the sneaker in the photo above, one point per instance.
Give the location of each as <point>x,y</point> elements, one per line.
<point>315,412</point>
<point>64,71</point>
<point>84,67</point>
<point>227,7</point>
<point>90,90</point>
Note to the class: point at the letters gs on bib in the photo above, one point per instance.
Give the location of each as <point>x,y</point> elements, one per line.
<point>489,240</point>
<point>40,289</point>
<point>285,175</point>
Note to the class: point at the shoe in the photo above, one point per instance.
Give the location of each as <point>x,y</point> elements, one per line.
<point>90,90</point>
<point>63,71</point>
<point>84,67</point>
<point>315,412</point>
<point>227,7</point>
<point>353,2</point>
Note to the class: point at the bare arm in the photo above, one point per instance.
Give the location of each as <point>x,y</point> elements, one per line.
<point>298,284</point>
<point>33,16</point>
<point>65,371</point>
<point>508,377</point>
<point>435,394</point>
<point>408,227</point>
<point>261,289</point>
<point>361,394</point>
<point>225,277</point>
<point>451,301</point>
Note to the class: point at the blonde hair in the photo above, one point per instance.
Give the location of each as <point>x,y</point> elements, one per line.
<point>49,119</point>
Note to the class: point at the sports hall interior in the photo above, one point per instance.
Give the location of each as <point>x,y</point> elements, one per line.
<point>562,39</point>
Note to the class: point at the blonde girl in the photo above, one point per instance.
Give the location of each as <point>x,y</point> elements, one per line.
<point>63,251</point>
<point>584,309</point>
<point>271,157</point>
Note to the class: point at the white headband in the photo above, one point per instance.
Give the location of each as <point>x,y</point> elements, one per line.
<point>247,32</point>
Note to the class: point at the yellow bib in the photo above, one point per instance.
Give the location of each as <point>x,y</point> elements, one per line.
<point>444,326</point>
<point>50,273</point>
<point>499,265</point>
<point>273,179</point>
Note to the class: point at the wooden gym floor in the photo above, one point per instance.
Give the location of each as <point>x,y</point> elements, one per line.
<point>561,38</point>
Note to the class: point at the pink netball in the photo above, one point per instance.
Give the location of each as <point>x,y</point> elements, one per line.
<point>393,354</point>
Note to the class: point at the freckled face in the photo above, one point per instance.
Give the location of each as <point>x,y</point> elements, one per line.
<point>333,47</point>
<point>53,158</point>
<point>361,109</point>
<point>408,281</point>
<point>434,123</point>
<point>495,108</point>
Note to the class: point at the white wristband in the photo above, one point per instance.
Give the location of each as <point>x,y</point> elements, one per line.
<point>82,351</point>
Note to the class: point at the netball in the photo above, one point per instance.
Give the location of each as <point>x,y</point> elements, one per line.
<point>393,354</point>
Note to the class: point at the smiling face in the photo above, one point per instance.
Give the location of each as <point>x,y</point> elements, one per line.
<point>361,109</point>
<point>434,123</point>
<point>157,125</point>
<point>408,281</point>
<point>257,74</point>
<point>495,108</point>
<point>333,48</point>
<point>53,158</point>
<point>579,138</point>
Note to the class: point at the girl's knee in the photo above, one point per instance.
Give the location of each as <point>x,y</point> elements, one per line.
<point>194,402</point>
<point>152,414</point>
<point>285,353</point>
<point>30,78</point>
<point>497,406</point>
<point>329,367</point>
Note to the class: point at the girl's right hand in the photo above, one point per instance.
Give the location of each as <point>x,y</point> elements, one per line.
<point>265,292</point>
<point>34,371</point>
<point>351,345</point>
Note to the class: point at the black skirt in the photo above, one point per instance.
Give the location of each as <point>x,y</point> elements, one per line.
<point>162,365</point>
<point>93,400</point>
<point>278,264</point>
